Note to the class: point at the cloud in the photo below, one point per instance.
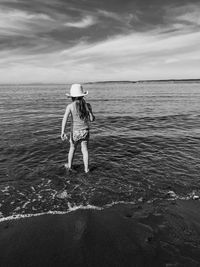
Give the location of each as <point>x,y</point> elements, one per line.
<point>151,55</point>
<point>83,23</point>
<point>54,41</point>
<point>109,14</point>
<point>186,15</point>
<point>171,60</point>
<point>17,22</point>
<point>136,43</point>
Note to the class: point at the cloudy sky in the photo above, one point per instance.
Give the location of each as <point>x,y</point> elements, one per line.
<point>63,41</point>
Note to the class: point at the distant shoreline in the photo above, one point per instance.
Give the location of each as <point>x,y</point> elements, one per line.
<point>150,81</point>
<point>106,82</point>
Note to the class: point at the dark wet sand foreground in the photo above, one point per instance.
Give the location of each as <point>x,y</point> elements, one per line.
<point>158,234</point>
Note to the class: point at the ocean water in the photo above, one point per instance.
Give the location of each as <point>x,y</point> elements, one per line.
<point>144,146</point>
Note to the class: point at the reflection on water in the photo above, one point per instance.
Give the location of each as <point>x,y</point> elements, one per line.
<point>145,142</point>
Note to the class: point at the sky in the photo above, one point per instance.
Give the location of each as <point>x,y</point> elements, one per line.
<point>66,41</point>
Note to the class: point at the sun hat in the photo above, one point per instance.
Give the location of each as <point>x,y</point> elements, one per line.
<point>76,90</point>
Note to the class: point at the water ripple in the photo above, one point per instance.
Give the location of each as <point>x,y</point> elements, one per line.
<point>144,144</point>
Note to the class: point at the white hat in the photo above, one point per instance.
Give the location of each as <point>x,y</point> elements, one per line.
<point>76,90</point>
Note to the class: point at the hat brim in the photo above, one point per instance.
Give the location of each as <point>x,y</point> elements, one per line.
<point>84,94</point>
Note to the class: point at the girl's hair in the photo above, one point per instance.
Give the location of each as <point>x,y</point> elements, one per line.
<point>81,107</point>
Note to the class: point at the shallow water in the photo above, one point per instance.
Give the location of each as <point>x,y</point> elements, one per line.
<point>144,143</point>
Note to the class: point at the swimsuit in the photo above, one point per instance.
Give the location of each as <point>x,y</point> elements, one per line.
<point>79,135</point>
<point>79,127</point>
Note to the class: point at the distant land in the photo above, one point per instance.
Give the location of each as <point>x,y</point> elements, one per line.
<point>151,81</point>
<point>104,82</point>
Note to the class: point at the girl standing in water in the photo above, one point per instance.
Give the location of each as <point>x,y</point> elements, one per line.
<point>81,115</point>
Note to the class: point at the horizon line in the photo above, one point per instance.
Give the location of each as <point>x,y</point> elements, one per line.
<point>107,81</point>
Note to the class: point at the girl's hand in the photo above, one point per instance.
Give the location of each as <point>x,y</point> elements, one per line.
<point>92,117</point>
<point>63,136</point>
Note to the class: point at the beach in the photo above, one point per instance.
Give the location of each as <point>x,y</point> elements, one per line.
<point>156,234</point>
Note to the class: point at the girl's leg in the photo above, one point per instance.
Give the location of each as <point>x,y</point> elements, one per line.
<point>84,149</point>
<point>72,150</point>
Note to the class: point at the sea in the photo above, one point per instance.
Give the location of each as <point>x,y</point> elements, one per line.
<point>144,146</point>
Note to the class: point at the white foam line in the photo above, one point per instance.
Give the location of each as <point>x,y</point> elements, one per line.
<point>71,209</point>
<point>119,202</point>
<point>88,207</point>
<point>22,216</point>
<point>74,208</point>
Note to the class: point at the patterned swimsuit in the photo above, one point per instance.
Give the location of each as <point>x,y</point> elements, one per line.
<point>80,127</point>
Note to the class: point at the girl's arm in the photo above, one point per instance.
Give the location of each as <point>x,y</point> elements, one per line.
<point>64,121</point>
<point>92,117</point>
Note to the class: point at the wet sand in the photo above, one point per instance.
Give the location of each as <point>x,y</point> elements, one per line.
<point>163,233</point>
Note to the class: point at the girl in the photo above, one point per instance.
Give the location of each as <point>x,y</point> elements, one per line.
<point>81,114</point>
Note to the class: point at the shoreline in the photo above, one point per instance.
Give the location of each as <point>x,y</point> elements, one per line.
<point>164,233</point>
